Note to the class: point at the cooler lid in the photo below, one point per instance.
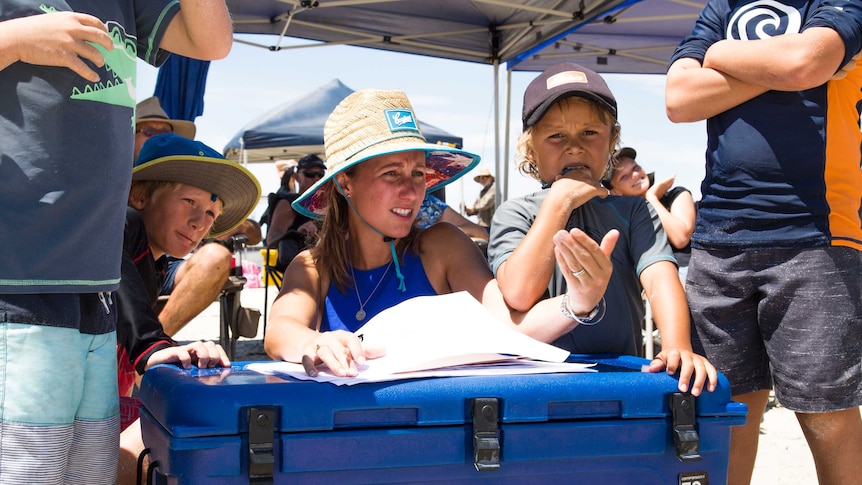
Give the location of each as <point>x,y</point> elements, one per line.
<point>213,402</point>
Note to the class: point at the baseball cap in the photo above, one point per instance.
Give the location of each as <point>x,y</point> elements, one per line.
<point>562,81</point>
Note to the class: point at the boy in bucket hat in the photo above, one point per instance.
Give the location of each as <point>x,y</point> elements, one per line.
<point>370,255</point>
<point>570,132</point>
<point>182,191</point>
<point>195,282</point>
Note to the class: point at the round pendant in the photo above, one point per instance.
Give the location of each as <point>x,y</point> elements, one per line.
<point>360,315</point>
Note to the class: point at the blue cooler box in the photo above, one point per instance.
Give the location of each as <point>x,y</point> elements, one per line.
<point>614,426</point>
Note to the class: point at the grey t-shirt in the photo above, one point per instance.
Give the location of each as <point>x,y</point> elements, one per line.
<point>642,242</point>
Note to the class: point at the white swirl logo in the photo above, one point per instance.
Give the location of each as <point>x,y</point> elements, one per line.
<point>763,19</point>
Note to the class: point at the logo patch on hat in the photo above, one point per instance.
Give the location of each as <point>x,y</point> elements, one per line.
<point>400,120</point>
<point>567,77</point>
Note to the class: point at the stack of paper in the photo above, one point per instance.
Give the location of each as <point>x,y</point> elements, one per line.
<point>441,335</point>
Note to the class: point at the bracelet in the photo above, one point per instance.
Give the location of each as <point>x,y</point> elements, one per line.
<point>592,318</point>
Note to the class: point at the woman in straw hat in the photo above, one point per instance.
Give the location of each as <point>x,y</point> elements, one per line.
<point>370,255</point>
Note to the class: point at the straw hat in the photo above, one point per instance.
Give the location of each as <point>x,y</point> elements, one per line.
<point>370,123</point>
<point>174,158</point>
<point>484,173</point>
<point>151,110</point>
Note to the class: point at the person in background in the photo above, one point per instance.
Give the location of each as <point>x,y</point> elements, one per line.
<point>434,210</point>
<point>570,132</point>
<point>181,191</point>
<point>775,280</point>
<point>485,204</point>
<point>193,283</point>
<point>674,205</point>
<point>288,231</point>
<point>67,83</point>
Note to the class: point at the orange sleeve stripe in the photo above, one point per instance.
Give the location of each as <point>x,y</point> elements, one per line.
<point>843,174</point>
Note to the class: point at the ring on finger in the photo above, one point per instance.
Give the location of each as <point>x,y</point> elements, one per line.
<point>578,273</point>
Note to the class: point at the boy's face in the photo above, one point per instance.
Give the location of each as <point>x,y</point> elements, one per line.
<point>177,220</point>
<point>571,135</point>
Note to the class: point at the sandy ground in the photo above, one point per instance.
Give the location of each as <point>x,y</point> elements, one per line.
<point>783,455</point>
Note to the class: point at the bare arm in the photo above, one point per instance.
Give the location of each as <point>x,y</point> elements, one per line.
<point>201,30</point>
<point>670,312</point>
<point>467,226</point>
<point>678,222</point>
<point>55,39</point>
<point>453,263</point>
<point>282,218</point>
<point>524,276</point>
<point>695,93</point>
<point>292,333</point>
<point>807,59</point>
<point>736,71</point>
<point>248,227</point>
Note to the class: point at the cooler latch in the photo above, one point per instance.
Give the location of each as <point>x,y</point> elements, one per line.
<point>261,433</point>
<point>486,437</point>
<point>685,437</point>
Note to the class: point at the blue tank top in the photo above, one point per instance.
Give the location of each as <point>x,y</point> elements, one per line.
<point>341,308</point>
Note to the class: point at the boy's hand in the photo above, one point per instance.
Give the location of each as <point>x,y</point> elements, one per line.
<point>689,365</point>
<point>846,68</point>
<point>202,354</point>
<point>586,266</point>
<point>61,39</point>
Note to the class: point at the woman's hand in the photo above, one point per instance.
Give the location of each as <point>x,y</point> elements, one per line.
<point>339,350</point>
<point>687,363</point>
<point>586,266</point>
<point>202,354</point>
<point>658,189</point>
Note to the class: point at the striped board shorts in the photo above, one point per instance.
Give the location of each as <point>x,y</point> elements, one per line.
<point>59,405</point>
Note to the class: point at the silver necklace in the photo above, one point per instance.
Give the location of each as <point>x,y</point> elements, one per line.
<point>360,315</point>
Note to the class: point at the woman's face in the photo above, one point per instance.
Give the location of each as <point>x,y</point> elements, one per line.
<point>629,178</point>
<point>388,191</point>
<point>572,136</point>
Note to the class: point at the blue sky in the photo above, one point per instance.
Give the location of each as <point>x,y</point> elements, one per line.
<point>452,95</point>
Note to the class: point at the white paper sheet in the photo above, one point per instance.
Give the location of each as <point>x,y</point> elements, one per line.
<point>440,335</point>
<point>368,373</point>
<point>429,332</point>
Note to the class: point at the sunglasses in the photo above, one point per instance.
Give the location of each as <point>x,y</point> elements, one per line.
<point>150,132</point>
<point>315,174</point>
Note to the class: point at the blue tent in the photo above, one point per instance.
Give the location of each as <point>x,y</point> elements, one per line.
<point>296,129</point>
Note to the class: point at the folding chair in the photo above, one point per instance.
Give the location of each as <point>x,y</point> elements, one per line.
<point>271,274</point>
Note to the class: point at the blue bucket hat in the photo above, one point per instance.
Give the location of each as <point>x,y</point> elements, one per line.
<point>174,158</point>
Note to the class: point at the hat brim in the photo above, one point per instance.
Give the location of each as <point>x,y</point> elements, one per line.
<point>235,185</point>
<point>443,165</point>
<point>183,128</point>
<point>477,177</point>
<point>543,108</point>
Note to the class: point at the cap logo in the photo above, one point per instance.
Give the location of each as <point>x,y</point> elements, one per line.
<point>566,77</point>
<point>400,120</point>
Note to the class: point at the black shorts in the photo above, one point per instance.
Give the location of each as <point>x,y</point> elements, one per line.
<point>792,317</point>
